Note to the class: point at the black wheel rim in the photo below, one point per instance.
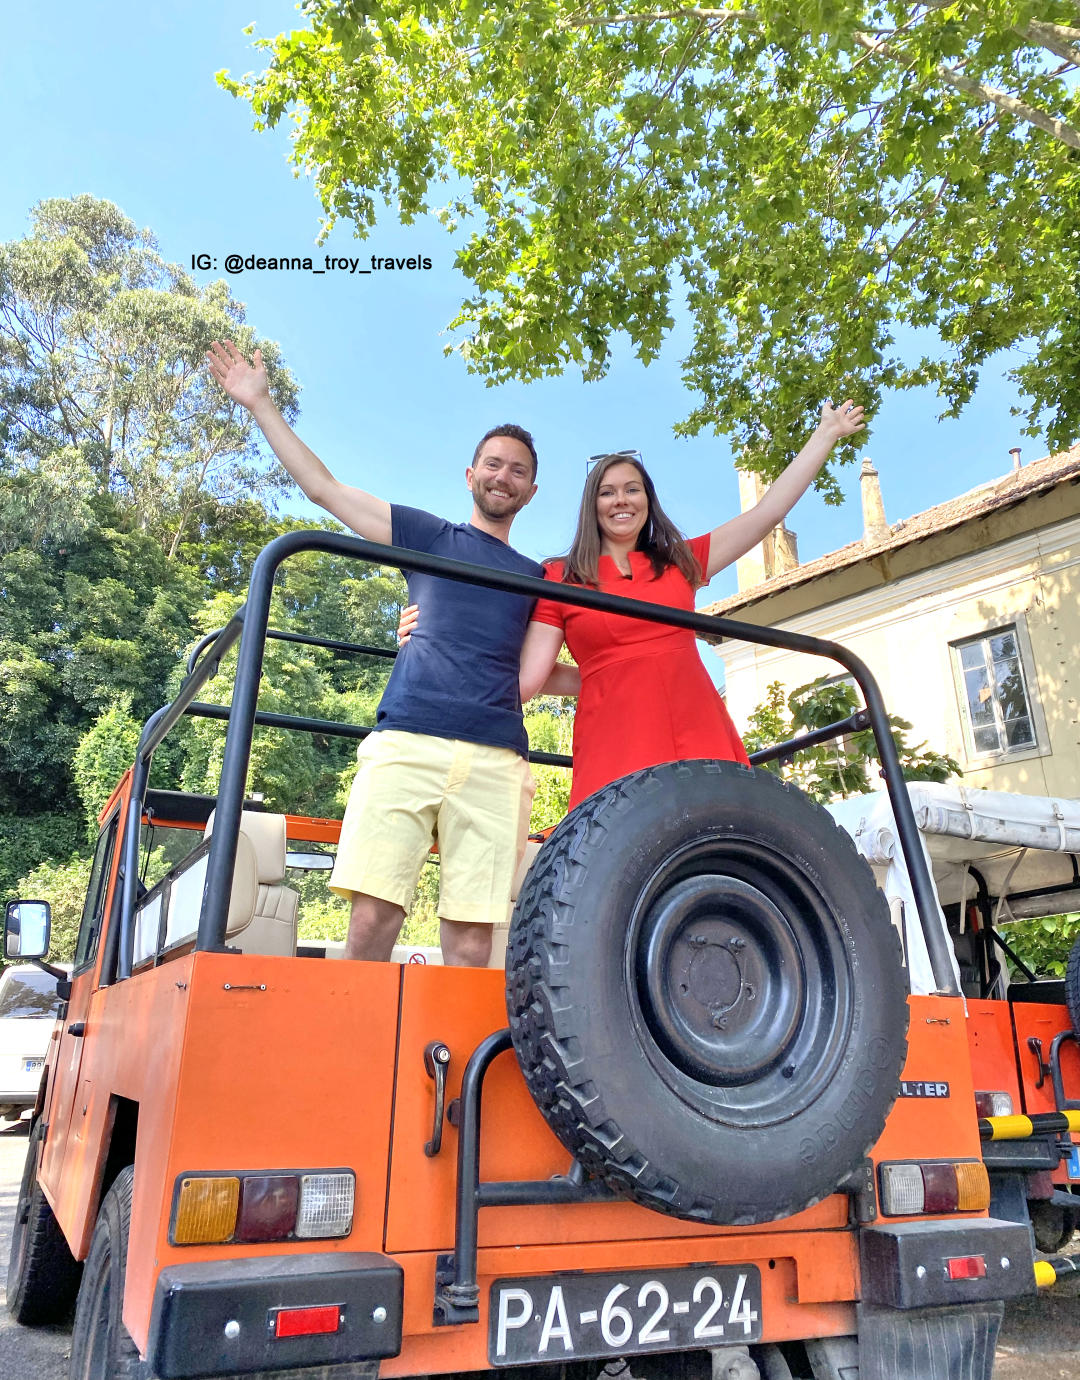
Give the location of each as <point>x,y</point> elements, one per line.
<point>739,983</point>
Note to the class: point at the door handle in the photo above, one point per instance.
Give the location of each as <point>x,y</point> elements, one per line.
<point>436,1062</point>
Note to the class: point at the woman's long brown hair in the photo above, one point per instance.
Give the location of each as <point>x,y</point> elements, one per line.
<point>660,539</point>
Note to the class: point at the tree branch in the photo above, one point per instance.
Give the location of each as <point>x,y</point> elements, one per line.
<point>1054,37</point>
<point>991,94</point>
<point>650,17</point>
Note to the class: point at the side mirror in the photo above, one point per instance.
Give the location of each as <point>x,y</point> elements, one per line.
<point>26,929</point>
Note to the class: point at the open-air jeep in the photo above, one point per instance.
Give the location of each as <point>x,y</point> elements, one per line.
<point>670,1142</point>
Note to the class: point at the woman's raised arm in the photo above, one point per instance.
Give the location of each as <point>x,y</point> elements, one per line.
<point>739,535</point>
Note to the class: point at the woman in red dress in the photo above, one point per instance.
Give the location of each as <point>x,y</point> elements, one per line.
<point>645,696</point>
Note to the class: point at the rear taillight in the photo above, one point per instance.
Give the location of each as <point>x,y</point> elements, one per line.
<point>267,1207</point>
<point>993,1104</point>
<point>205,1210</point>
<point>940,1186</point>
<point>326,1205</point>
<point>212,1209</point>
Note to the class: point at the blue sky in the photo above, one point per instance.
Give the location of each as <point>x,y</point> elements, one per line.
<point>120,101</point>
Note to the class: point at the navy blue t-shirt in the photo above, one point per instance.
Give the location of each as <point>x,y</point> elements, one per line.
<point>457,676</point>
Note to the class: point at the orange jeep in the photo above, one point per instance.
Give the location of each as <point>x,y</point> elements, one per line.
<point>700,1129</point>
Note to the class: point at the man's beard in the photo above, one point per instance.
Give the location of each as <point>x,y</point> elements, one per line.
<point>510,508</point>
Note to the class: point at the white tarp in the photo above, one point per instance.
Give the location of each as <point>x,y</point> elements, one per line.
<point>1017,843</point>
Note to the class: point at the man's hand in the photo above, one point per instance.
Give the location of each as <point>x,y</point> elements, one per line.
<point>838,422</point>
<point>244,383</point>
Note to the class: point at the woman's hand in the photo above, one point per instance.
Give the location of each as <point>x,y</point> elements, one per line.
<point>738,535</point>
<point>410,616</point>
<point>838,422</point>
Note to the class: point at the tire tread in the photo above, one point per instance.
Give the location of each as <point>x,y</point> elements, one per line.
<point>49,1280</point>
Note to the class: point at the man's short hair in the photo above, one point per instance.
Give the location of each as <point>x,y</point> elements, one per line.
<point>515,432</point>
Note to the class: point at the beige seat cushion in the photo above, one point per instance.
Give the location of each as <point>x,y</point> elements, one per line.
<point>266,925</point>
<point>500,933</point>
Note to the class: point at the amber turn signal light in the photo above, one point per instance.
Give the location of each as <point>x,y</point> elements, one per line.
<point>205,1211</point>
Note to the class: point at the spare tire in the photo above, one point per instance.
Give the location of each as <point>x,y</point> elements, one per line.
<point>1072,986</point>
<point>705,993</point>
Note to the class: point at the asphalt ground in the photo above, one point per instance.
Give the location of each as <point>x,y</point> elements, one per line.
<point>1040,1339</point>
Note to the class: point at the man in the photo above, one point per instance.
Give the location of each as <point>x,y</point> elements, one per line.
<point>450,754</point>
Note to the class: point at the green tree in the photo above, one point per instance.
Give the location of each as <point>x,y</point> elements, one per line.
<point>105,752</point>
<point>81,626</point>
<point>1044,942</point>
<point>63,884</point>
<point>103,387</point>
<point>841,767</point>
<point>304,773</point>
<point>802,177</point>
<point>118,456</point>
<point>29,838</point>
<point>549,722</point>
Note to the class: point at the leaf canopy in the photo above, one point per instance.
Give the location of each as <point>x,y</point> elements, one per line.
<point>844,197</point>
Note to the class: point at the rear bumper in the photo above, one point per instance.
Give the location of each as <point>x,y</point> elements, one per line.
<point>217,1317</point>
<point>903,1264</point>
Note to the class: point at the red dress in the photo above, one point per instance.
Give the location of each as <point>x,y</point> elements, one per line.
<point>646,696</point>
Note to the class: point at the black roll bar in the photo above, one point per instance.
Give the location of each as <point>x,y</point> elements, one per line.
<point>250,624</point>
<point>350,648</point>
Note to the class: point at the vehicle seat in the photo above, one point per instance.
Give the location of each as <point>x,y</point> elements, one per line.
<point>266,924</point>
<point>500,933</point>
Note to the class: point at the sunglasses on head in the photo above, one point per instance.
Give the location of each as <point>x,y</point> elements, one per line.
<point>606,454</point>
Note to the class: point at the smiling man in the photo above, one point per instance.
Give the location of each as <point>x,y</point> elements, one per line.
<point>449,757</point>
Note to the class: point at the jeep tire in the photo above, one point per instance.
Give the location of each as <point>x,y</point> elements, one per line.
<point>101,1346</point>
<point>705,993</point>
<point>43,1275</point>
<point>1072,986</point>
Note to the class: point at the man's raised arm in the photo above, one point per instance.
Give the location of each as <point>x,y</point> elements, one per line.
<point>246,384</point>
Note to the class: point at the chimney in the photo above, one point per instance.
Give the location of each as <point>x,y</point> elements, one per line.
<point>786,549</point>
<point>1015,453</point>
<point>750,568</point>
<point>875,528</point>
<point>776,554</point>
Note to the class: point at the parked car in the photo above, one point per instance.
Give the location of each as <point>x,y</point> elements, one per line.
<point>28,1007</point>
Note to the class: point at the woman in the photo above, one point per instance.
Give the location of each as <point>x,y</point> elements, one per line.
<point>645,695</point>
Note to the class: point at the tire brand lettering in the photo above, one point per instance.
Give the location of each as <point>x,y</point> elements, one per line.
<point>878,1053</point>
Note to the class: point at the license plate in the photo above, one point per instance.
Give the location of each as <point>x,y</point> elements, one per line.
<point>33,1065</point>
<point>562,1317</point>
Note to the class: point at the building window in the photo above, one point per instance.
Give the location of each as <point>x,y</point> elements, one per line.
<point>997,707</point>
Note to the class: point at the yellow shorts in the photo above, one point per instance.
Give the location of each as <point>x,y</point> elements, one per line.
<point>412,788</point>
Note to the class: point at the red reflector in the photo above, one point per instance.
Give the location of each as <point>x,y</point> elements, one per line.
<point>307,1322</point>
<point>966,1267</point>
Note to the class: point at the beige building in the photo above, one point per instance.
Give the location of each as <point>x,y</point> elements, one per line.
<point>967,614</point>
